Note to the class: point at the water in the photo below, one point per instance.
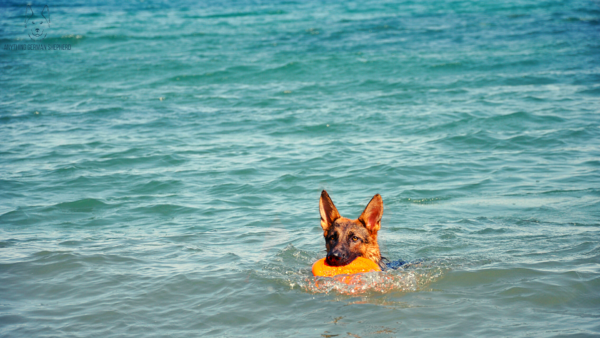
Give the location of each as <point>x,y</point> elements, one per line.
<point>161,177</point>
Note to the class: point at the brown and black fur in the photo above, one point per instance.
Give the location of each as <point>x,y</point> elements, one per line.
<point>347,239</point>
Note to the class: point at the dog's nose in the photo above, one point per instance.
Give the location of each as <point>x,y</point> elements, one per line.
<point>335,258</point>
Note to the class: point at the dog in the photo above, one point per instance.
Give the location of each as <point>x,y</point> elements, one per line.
<point>36,26</point>
<point>346,239</point>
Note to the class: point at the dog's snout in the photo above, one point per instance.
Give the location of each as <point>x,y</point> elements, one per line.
<point>335,257</point>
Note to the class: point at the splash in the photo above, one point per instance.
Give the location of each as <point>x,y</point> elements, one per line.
<point>409,279</point>
<point>292,267</point>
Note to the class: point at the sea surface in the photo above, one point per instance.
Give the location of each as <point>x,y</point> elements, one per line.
<point>160,176</point>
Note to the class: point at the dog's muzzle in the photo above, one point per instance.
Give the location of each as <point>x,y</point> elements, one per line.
<point>338,258</point>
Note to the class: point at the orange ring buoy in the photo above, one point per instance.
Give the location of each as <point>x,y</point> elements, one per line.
<point>358,265</point>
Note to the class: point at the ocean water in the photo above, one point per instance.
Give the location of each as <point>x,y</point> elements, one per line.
<point>161,177</point>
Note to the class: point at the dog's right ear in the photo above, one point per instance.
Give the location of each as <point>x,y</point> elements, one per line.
<point>29,13</point>
<point>328,211</point>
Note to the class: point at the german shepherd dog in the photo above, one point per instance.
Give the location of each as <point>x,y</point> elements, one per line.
<point>346,239</point>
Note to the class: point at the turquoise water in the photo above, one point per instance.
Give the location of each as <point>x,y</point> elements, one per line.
<point>161,177</point>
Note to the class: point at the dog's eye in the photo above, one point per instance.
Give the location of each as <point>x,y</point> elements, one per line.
<point>354,238</point>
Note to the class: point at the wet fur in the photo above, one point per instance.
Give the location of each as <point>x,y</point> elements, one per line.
<point>346,239</point>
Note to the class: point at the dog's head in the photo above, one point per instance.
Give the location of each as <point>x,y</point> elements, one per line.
<point>37,25</point>
<point>347,239</point>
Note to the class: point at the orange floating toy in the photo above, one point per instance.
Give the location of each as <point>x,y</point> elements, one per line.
<point>358,265</point>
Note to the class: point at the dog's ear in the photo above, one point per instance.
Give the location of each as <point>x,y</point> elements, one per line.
<point>371,217</point>
<point>328,211</point>
<point>46,13</point>
<point>29,13</point>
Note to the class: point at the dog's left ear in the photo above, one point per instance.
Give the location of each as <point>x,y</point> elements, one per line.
<point>46,13</point>
<point>371,217</point>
